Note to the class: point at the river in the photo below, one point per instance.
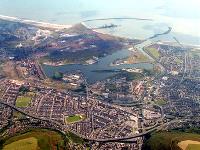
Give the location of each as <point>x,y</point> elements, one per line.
<point>90,72</point>
<point>184,20</point>
<point>103,64</point>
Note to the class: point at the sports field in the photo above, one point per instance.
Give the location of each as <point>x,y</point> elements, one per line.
<point>23,101</point>
<point>74,118</point>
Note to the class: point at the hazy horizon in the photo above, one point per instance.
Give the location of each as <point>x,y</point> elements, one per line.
<point>183,16</point>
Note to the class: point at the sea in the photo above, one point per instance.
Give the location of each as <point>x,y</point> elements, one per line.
<point>136,19</point>
<point>182,15</point>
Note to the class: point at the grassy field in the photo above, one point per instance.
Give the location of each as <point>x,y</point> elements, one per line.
<point>193,147</point>
<point>169,140</point>
<point>25,97</point>
<point>18,115</point>
<point>178,61</point>
<point>25,144</point>
<point>23,101</point>
<point>74,118</point>
<point>57,84</point>
<point>74,138</point>
<point>160,102</point>
<point>189,145</point>
<point>130,76</point>
<point>154,52</point>
<point>138,57</point>
<point>44,139</point>
<point>1,67</point>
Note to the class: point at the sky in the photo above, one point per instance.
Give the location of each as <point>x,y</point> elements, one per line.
<point>171,8</point>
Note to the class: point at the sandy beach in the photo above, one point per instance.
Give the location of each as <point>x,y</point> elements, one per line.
<point>36,23</point>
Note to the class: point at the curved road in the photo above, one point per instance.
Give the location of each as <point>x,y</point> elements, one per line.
<point>120,139</point>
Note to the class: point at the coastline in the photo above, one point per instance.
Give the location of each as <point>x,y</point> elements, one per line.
<point>145,62</point>
<point>176,44</point>
<point>60,27</point>
<point>35,23</point>
<point>54,64</point>
<point>163,41</point>
<point>86,26</point>
<point>63,26</point>
<point>104,33</point>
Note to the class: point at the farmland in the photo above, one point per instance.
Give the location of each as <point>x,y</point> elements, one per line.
<point>34,139</point>
<point>169,140</point>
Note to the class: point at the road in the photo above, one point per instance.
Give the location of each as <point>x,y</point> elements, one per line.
<point>120,139</point>
<point>185,59</point>
<point>42,119</point>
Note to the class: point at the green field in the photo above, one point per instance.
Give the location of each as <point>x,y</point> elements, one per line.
<point>137,57</point>
<point>1,69</point>
<point>154,52</point>
<point>25,144</point>
<point>74,138</point>
<point>169,140</point>
<point>130,75</point>
<point>160,102</point>
<point>74,118</point>
<point>18,115</point>
<point>23,101</point>
<point>178,61</point>
<point>42,139</point>
<point>193,147</point>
